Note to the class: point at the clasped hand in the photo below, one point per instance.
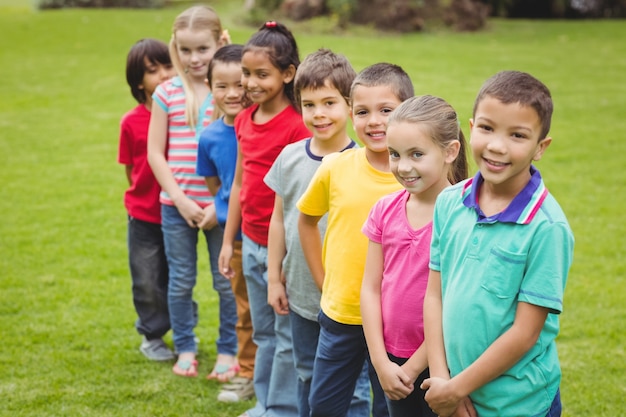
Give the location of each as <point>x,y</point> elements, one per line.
<point>443,400</point>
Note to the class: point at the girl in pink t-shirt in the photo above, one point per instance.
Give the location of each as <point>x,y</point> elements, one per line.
<point>426,154</point>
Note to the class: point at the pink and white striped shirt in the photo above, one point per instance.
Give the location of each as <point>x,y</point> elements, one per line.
<point>182,141</point>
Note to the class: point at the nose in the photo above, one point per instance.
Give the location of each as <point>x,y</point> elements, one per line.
<point>247,82</point>
<point>403,166</point>
<point>232,92</point>
<point>164,73</point>
<point>317,111</point>
<point>496,144</point>
<point>374,119</point>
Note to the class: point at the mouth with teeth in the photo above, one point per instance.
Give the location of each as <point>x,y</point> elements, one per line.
<point>410,180</point>
<point>376,135</point>
<point>495,163</point>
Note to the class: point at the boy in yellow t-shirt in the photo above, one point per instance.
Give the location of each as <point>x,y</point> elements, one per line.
<point>346,186</point>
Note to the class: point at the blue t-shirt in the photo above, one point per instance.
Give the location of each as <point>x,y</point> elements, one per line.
<point>217,157</point>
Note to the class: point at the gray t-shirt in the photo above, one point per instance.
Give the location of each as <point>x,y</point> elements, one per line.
<point>289,178</point>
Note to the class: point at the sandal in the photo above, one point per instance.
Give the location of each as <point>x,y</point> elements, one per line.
<point>224,372</point>
<point>186,368</point>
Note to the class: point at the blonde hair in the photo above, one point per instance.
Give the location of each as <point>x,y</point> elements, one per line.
<point>194,18</point>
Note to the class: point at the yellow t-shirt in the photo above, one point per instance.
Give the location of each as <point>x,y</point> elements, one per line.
<point>346,187</point>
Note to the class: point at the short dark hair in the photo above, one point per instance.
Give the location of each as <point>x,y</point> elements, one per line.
<point>324,66</point>
<point>227,54</point>
<point>385,74</point>
<point>519,87</point>
<point>156,52</point>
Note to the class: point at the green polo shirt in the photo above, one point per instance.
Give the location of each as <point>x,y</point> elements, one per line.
<point>488,265</point>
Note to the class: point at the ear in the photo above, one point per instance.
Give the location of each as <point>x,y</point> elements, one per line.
<point>452,151</point>
<point>471,123</point>
<point>289,74</point>
<point>541,148</point>
<point>224,38</point>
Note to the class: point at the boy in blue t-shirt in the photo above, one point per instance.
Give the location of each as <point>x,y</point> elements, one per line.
<point>217,158</point>
<point>500,254</point>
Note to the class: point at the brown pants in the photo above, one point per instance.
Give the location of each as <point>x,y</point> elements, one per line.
<point>246,347</point>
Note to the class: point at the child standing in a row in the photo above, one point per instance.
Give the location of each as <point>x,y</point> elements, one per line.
<point>323,85</point>
<point>346,186</point>
<point>148,64</point>
<point>426,154</point>
<point>182,108</point>
<point>217,158</point>
<point>500,254</point>
<point>269,63</point>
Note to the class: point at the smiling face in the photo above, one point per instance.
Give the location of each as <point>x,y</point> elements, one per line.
<point>325,112</point>
<point>227,89</point>
<point>371,107</point>
<point>195,50</point>
<point>263,82</point>
<point>418,163</point>
<point>505,141</point>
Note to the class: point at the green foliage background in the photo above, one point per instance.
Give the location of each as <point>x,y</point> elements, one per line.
<point>68,346</point>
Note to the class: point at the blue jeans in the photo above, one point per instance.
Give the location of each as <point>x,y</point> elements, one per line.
<point>274,372</point>
<point>148,270</point>
<point>181,249</point>
<point>555,408</point>
<point>341,353</point>
<point>414,404</point>
<point>305,334</point>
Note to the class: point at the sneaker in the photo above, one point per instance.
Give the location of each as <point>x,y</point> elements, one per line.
<point>239,389</point>
<point>156,350</point>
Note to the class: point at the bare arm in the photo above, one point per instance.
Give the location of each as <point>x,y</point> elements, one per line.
<point>394,381</point>
<point>433,330</point>
<point>129,170</point>
<point>157,143</point>
<point>276,251</point>
<point>233,221</point>
<point>213,184</point>
<point>312,246</point>
<point>503,353</point>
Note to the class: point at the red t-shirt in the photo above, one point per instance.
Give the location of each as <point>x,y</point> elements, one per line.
<point>142,197</point>
<point>260,145</point>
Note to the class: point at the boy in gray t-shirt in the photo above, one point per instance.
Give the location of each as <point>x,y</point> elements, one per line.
<point>322,85</point>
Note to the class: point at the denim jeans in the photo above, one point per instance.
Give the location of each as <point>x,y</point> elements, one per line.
<point>341,353</point>
<point>274,372</point>
<point>181,249</point>
<point>414,404</point>
<point>556,407</point>
<point>305,334</point>
<point>148,270</point>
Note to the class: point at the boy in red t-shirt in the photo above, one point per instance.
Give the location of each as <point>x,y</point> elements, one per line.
<point>148,64</point>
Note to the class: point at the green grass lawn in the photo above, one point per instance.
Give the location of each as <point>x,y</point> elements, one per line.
<point>69,347</point>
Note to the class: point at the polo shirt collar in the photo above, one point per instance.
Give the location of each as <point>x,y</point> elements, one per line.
<point>521,210</point>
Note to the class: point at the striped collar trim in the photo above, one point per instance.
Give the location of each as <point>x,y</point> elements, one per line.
<point>521,210</point>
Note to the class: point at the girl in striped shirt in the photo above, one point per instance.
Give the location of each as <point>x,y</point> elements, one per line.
<point>182,107</point>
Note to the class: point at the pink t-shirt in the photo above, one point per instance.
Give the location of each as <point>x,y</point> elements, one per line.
<point>142,197</point>
<point>260,145</point>
<point>405,272</point>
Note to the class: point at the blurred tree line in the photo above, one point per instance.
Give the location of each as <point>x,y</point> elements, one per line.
<point>411,15</point>
<point>397,15</point>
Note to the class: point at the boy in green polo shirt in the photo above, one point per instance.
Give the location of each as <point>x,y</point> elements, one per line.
<point>500,254</point>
